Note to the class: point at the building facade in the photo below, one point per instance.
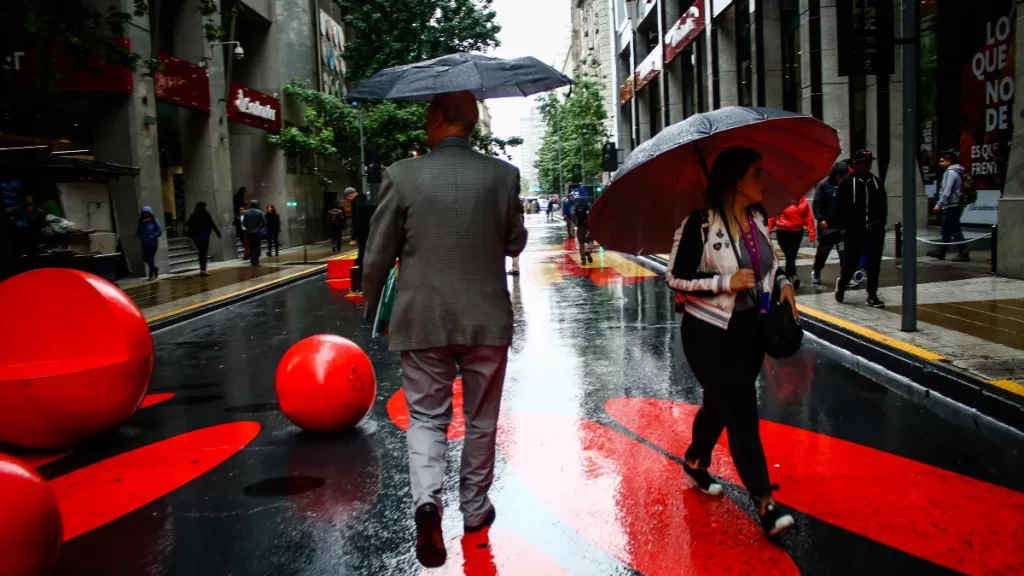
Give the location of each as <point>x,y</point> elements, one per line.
<point>590,49</point>
<point>531,129</point>
<point>675,58</point>
<point>197,129</point>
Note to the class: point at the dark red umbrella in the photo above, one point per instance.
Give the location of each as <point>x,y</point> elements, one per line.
<point>665,178</point>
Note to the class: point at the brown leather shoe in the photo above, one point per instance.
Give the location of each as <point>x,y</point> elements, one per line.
<point>430,549</point>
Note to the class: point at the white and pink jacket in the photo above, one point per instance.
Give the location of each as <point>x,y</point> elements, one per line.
<point>703,260</point>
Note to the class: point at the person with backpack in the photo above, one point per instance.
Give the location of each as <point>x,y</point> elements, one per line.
<point>826,213</point>
<point>199,227</point>
<point>863,209</point>
<point>724,262</point>
<point>149,232</point>
<point>362,213</point>
<point>567,215</point>
<point>254,222</point>
<point>336,225</point>
<point>952,199</point>
<point>583,238</point>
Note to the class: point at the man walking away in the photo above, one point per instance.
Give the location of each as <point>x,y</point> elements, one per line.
<point>273,231</point>
<point>336,224</point>
<point>515,259</point>
<point>452,216</point>
<point>199,227</point>
<point>567,215</point>
<point>951,207</point>
<point>551,209</point>
<point>582,213</point>
<point>255,224</point>
<point>825,212</point>
<point>863,208</point>
<point>362,212</point>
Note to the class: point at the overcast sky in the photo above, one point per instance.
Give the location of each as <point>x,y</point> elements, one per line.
<point>538,28</point>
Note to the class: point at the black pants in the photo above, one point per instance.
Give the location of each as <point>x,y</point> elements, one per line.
<point>726,364</point>
<point>361,244</point>
<point>149,256</point>
<point>790,241</point>
<point>869,242</point>
<point>273,243</point>
<point>335,240</point>
<point>826,242</point>
<point>203,246</point>
<point>253,239</point>
<point>951,231</point>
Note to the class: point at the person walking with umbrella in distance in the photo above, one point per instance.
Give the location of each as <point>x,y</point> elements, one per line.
<point>724,262</point>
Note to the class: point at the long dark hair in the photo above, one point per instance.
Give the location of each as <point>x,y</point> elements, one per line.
<point>730,167</point>
<point>200,208</point>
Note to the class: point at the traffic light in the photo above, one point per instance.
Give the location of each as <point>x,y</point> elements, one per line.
<point>609,157</point>
<point>373,172</point>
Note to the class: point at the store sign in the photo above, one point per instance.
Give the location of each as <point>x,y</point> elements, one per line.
<point>648,69</point>
<point>685,30</point>
<point>986,102</point>
<point>626,91</point>
<point>865,32</point>
<point>254,108</point>
<point>927,155</point>
<point>182,83</point>
<point>332,65</point>
<point>72,77</point>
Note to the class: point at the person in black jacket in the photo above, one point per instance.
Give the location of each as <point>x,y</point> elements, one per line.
<point>863,208</point>
<point>254,222</point>
<point>199,227</point>
<point>827,214</point>
<point>273,231</point>
<point>362,212</point>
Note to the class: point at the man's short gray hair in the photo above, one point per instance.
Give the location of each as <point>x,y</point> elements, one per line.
<point>457,108</point>
<point>349,190</point>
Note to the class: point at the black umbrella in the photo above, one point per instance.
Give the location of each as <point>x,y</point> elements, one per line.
<point>484,76</point>
<point>666,178</point>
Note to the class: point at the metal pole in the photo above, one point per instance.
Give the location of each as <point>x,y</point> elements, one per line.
<point>910,137</point>
<point>561,175</point>
<point>362,154</point>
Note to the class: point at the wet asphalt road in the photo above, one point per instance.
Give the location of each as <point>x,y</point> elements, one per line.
<point>585,483</point>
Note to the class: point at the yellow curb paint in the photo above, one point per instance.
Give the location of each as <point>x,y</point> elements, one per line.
<point>623,266</point>
<point>232,295</point>
<point>872,335</point>
<point>1009,386</point>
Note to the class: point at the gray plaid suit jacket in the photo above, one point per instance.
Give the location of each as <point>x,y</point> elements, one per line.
<point>451,217</point>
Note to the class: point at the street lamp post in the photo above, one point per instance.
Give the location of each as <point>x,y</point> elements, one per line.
<point>561,176</point>
<point>910,136</point>
<point>362,151</point>
<point>583,160</point>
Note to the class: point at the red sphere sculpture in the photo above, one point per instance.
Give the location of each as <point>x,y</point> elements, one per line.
<point>325,383</point>
<point>75,358</point>
<point>30,525</point>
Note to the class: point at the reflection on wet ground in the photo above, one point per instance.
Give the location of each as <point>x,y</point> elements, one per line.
<point>597,407</point>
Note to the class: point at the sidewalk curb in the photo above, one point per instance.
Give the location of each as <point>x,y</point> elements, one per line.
<point>170,319</point>
<point>966,389</point>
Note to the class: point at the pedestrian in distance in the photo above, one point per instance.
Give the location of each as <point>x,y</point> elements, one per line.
<point>521,206</point>
<point>951,208</point>
<point>452,309</point>
<point>584,240</point>
<point>790,224</point>
<point>863,209</point>
<point>567,215</point>
<point>149,232</point>
<point>724,263</point>
<point>273,231</point>
<point>255,224</point>
<point>551,210</point>
<point>362,213</point>
<point>826,213</point>
<point>336,225</point>
<point>199,227</point>
<point>240,232</point>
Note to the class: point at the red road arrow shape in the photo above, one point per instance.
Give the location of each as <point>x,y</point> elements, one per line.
<point>949,519</point>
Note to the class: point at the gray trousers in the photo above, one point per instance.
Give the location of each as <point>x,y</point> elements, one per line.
<point>427,377</point>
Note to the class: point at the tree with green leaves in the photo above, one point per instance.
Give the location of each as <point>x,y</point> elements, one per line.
<point>390,33</point>
<point>574,126</point>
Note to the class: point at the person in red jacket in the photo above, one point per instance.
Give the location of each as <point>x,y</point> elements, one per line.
<point>791,224</point>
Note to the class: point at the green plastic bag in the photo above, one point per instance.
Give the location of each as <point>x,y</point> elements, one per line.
<point>387,299</point>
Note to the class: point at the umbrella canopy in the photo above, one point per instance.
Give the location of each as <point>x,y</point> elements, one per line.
<point>666,178</point>
<point>484,76</point>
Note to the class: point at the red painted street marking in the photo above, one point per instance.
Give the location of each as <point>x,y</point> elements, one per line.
<point>958,522</point>
<point>632,501</point>
<point>153,399</point>
<point>398,411</point>
<point>494,551</point>
<point>37,459</point>
<point>107,490</point>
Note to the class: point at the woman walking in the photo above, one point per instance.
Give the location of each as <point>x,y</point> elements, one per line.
<point>148,232</point>
<point>791,233</point>
<point>199,227</point>
<point>273,231</point>
<point>724,263</point>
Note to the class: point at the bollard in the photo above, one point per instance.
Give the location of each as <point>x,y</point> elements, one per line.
<point>898,229</point>
<point>995,247</point>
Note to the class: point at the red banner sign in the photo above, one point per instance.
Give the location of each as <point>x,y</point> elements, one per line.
<point>182,83</point>
<point>252,107</point>
<point>72,78</point>
<point>648,69</point>
<point>626,91</point>
<point>685,30</point>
